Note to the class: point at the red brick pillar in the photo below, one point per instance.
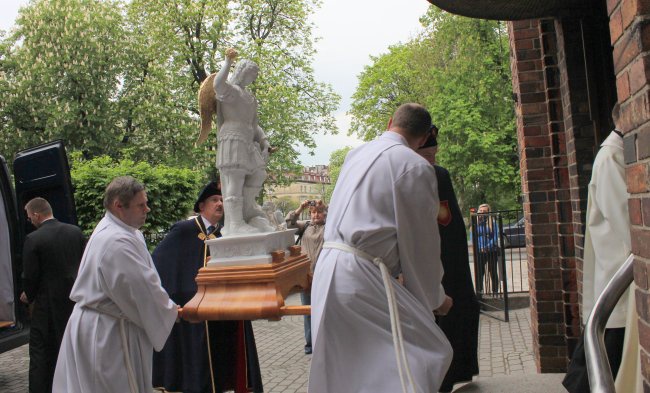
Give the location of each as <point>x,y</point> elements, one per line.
<point>545,185</point>
<point>630,33</point>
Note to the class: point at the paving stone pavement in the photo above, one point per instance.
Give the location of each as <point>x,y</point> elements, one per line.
<point>504,349</point>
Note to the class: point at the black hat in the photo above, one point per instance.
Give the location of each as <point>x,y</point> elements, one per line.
<point>431,140</point>
<point>210,189</point>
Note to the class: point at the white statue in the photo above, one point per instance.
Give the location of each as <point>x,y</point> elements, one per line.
<point>243,149</point>
<point>275,216</point>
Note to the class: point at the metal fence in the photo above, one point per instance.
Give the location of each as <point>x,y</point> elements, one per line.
<point>499,254</point>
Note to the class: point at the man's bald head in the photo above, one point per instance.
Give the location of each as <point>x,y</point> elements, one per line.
<point>413,119</point>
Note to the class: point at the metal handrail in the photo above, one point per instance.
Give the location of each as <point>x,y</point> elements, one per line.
<point>600,374</point>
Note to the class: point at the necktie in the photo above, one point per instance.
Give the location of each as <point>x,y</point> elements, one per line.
<point>211,229</point>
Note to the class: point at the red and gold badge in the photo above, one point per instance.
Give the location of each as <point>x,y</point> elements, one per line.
<point>444,214</point>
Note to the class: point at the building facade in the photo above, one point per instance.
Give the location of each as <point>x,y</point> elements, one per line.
<point>310,184</point>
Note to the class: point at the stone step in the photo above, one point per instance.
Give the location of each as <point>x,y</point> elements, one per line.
<point>530,383</point>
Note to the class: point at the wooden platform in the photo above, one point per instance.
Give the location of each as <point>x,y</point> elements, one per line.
<point>250,292</point>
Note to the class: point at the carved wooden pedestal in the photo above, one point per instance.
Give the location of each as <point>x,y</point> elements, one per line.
<point>250,292</point>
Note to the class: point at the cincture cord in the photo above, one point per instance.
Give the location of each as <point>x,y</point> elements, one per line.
<point>127,358</point>
<point>133,385</point>
<point>396,328</point>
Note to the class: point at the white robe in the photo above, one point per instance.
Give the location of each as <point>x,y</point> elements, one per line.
<point>385,203</point>
<point>117,274</point>
<point>607,234</point>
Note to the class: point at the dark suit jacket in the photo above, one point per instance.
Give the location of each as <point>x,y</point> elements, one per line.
<point>51,257</point>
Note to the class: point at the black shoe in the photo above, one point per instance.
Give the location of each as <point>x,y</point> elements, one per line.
<point>307,350</point>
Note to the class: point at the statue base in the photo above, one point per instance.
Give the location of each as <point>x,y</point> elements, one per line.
<point>248,278</point>
<point>249,292</point>
<point>249,248</point>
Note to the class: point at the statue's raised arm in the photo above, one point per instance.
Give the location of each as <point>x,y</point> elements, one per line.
<point>242,146</point>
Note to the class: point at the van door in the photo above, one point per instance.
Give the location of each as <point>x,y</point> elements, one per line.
<point>39,171</point>
<point>43,171</point>
<point>8,248</point>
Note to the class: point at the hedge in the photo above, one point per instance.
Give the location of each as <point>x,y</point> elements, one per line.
<point>171,191</point>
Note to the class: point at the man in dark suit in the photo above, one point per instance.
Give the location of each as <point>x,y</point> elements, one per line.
<point>209,357</point>
<point>51,257</point>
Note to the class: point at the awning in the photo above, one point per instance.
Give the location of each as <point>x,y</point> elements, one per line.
<point>515,9</point>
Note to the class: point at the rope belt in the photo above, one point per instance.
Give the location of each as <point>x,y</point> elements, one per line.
<point>396,329</point>
<point>125,344</point>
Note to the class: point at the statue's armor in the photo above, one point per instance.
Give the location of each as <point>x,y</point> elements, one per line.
<point>236,146</point>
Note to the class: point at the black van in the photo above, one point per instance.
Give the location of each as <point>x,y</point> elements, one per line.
<point>39,171</point>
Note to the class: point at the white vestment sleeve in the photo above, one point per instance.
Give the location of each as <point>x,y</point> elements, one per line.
<point>611,196</point>
<point>133,284</point>
<point>418,239</point>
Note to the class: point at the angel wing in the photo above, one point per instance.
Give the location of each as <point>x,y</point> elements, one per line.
<point>207,107</point>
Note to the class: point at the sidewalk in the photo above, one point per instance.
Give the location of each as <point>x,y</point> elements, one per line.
<point>504,349</point>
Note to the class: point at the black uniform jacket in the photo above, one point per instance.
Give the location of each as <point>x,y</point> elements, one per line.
<point>460,325</point>
<point>184,363</point>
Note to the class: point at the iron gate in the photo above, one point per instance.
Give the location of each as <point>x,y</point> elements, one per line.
<point>500,262</point>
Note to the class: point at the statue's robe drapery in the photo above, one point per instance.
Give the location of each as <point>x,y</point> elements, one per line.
<point>192,361</point>
<point>461,324</point>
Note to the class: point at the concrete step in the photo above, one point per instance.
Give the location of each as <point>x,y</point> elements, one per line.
<point>530,383</point>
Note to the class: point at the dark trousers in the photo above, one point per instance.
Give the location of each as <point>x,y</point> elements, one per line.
<point>576,379</point>
<point>305,298</point>
<point>44,346</point>
<point>488,263</point>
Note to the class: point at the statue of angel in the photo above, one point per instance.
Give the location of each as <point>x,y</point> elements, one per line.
<point>242,147</point>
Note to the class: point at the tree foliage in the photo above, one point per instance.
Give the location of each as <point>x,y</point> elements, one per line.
<point>459,69</point>
<point>121,77</point>
<point>58,76</point>
<point>171,191</point>
<point>337,158</point>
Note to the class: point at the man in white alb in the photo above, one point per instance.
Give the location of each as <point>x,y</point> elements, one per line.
<point>382,221</point>
<point>122,313</point>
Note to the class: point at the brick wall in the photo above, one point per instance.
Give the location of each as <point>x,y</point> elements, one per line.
<point>563,98</point>
<point>540,129</point>
<point>588,93</point>
<point>630,36</point>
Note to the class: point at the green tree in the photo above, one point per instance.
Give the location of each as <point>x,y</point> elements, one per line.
<point>285,204</point>
<point>121,77</point>
<point>389,81</point>
<point>274,33</point>
<point>59,74</point>
<point>459,69</point>
<point>336,162</point>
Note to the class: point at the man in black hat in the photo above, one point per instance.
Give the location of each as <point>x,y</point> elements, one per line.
<point>461,324</point>
<point>214,356</point>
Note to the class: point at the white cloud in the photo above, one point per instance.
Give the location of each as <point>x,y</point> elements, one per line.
<point>350,32</point>
<point>327,144</point>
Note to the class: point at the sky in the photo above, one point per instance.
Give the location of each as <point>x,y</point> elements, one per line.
<point>350,31</point>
